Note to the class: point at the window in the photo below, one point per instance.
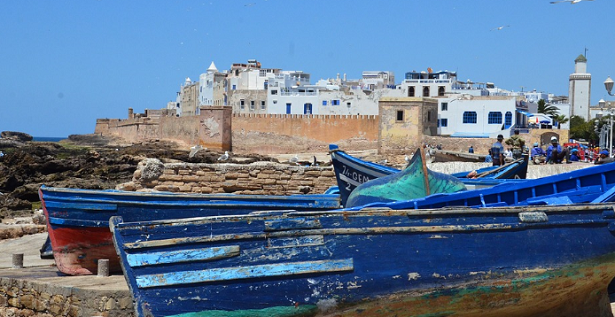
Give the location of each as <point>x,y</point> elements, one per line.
<point>469,117</point>
<point>262,104</point>
<point>251,104</point>
<point>288,108</point>
<point>441,91</point>
<point>274,92</point>
<point>242,103</point>
<point>494,118</point>
<point>411,91</point>
<point>508,119</point>
<point>428,116</point>
<point>307,108</point>
<point>426,91</point>
<point>400,115</point>
<point>348,104</point>
<point>335,102</point>
<point>324,102</point>
<point>444,122</point>
<point>234,87</point>
<point>444,106</point>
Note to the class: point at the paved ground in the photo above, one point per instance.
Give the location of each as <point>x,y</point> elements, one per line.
<point>44,270</point>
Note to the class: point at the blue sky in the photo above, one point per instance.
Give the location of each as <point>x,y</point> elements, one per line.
<point>63,64</point>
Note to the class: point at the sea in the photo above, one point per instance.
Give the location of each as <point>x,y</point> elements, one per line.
<point>48,139</point>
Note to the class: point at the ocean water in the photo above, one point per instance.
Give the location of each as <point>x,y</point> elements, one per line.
<point>48,139</point>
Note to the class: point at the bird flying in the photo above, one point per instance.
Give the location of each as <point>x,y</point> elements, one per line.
<point>571,1</point>
<point>500,27</point>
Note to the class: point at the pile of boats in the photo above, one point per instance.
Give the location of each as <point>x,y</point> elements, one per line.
<point>444,245</point>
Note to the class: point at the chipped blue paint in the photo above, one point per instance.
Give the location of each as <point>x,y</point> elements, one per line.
<point>206,254</point>
<point>395,254</point>
<point>244,272</point>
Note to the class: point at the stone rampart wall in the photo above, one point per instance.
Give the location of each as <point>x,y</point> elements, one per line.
<point>262,178</point>
<point>21,298</point>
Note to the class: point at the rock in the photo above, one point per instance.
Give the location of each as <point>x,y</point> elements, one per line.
<point>151,169</point>
<point>19,136</point>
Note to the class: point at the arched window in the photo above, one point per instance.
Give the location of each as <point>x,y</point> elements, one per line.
<point>507,119</point>
<point>441,91</point>
<point>411,91</point>
<point>494,118</point>
<point>469,117</point>
<point>307,108</point>
<point>426,91</point>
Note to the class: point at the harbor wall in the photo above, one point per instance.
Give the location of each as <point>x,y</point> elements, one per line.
<point>262,178</point>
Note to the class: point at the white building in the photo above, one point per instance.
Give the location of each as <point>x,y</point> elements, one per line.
<point>479,117</point>
<point>213,87</point>
<point>579,91</point>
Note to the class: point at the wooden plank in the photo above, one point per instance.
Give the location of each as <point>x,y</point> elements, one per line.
<point>205,254</point>
<point>244,272</point>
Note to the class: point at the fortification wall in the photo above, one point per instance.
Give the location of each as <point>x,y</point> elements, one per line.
<point>303,133</point>
<point>262,178</point>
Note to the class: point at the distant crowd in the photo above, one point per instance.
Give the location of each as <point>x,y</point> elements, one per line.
<point>555,153</point>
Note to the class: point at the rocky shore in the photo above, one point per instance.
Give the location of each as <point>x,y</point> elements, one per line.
<point>81,161</point>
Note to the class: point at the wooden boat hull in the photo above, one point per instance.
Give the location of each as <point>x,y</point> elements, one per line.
<point>78,220</point>
<point>522,261</point>
<point>351,172</point>
<point>579,186</point>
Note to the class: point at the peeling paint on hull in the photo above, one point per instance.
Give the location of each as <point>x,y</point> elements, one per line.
<point>488,262</point>
<point>78,219</point>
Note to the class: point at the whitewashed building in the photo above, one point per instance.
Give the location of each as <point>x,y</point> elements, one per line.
<point>478,117</point>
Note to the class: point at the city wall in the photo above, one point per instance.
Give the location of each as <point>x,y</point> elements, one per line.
<point>286,133</point>
<point>262,178</point>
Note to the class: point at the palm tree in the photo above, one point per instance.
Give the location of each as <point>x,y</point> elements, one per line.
<point>547,109</point>
<point>560,119</point>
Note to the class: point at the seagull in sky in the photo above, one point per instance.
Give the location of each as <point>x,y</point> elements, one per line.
<point>571,1</point>
<point>500,27</point>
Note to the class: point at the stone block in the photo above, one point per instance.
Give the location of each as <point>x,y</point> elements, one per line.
<point>27,301</point>
<point>184,172</point>
<point>185,188</point>
<point>14,302</point>
<point>190,178</point>
<point>125,302</point>
<point>253,173</point>
<point>327,173</point>
<point>231,176</point>
<point>312,173</point>
<point>172,178</point>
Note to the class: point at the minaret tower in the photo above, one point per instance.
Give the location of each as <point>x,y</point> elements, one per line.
<point>579,91</point>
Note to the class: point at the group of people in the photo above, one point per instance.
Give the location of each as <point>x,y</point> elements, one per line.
<point>556,153</point>
<point>498,154</point>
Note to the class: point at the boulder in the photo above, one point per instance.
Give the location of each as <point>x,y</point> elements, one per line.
<point>19,136</point>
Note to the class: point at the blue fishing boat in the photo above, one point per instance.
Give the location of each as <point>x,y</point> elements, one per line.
<point>351,172</point>
<point>504,261</point>
<point>78,219</point>
<point>579,186</point>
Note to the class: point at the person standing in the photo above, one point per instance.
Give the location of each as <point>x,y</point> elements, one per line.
<point>556,153</point>
<point>497,151</point>
<point>517,143</point>
<point>471,149</point>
